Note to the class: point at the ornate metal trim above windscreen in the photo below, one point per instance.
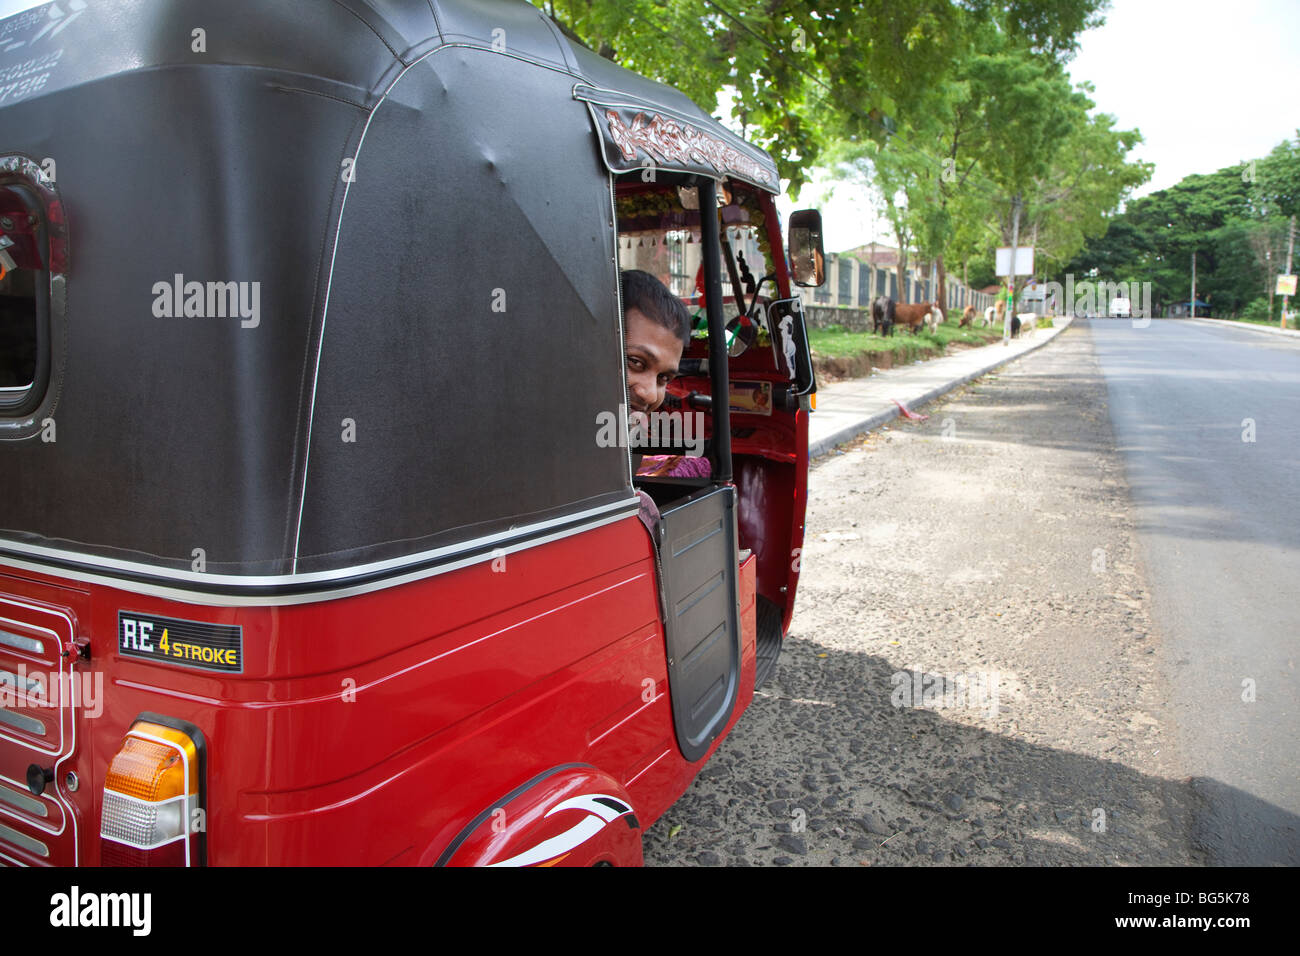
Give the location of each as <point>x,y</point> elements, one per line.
<point>637,135</point>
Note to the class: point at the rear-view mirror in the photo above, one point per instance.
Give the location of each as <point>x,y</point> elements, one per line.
<point>807,260</point>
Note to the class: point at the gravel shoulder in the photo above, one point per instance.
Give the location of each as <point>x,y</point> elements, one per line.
<point>972,675</point>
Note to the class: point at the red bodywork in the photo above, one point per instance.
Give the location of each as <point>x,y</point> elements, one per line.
<point>374,729</point>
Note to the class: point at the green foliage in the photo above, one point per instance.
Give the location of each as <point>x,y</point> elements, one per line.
<point>1278,180</point>
<point>1257,310</point>
<point>1006,126</point>
<point>950,107</point>
<point>982,273</point>
<point>806,75</point>
<point>1234,220</point>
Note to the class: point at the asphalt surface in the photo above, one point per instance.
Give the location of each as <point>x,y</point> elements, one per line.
<point>987,553</point>
<point>1208,423</point>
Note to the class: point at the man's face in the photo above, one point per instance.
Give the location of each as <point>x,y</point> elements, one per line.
<point>653,353</point>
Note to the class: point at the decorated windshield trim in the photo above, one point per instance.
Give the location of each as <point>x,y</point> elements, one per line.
<point>669,142</point>
<point>646,136</point>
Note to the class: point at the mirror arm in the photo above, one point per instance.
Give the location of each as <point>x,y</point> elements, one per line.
<point>737,290</point>
<point>757,289</point>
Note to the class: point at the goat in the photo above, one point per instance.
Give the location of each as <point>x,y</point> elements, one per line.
<point>1025,327</point>
<point>994,313</point>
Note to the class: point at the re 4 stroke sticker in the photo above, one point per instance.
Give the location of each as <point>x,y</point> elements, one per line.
<point>214,647</point>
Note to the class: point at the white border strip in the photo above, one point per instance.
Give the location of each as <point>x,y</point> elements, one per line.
<point>196,594</point>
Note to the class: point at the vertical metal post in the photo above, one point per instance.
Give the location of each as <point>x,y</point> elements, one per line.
<point>1290,243</point>
<point>719,382</point>
<point>1015,240</point>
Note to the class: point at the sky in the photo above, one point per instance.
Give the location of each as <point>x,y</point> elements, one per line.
<point>1207,83</point>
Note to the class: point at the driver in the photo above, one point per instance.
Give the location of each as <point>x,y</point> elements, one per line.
<point>658,330</point>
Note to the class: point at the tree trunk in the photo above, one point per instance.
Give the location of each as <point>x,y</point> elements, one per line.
<point>943,290</point>
<point>902,269</point>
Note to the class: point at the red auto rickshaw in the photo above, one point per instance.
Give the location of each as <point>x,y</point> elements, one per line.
<point>309,550</point>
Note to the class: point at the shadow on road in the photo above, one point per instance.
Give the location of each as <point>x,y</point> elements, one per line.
<point>824,769</point>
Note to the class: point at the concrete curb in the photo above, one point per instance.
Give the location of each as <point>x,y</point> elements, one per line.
<point>1229,324</point>
<point>823,445</point>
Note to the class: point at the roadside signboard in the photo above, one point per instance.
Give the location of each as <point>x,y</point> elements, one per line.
<point>1285,285</point>
<point>1024,261</point>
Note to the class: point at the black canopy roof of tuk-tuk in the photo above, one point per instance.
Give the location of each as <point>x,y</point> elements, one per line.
<point>409,205</point>
<point>367,44</point>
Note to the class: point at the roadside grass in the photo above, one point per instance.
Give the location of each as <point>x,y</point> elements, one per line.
<point>1272,323</point>
<point>836,342</point>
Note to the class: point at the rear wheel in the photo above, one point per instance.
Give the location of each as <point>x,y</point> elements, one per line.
<point>768,639</point>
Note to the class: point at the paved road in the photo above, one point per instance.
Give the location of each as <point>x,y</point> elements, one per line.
<point>960,551</point>
<point>1219,526</point>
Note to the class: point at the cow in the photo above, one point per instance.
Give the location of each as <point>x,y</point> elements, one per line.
<point>918,314</point>
<point>882,315</point>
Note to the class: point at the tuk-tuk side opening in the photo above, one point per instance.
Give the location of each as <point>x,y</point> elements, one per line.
<point>660,231</point>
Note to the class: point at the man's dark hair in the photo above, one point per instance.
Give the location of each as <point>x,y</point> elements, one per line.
<point>644,292</point>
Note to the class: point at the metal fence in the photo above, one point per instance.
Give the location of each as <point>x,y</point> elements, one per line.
<point>853,285</point>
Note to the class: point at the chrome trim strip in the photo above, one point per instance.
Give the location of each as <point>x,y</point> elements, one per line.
<point>28,684</point>
<point>19,642</point>
<point>196,593</point>
<point>629,101</point>
<point>202,578</point>
<point>29,724</point>
<point>30,844</point>
<point>23,802</point>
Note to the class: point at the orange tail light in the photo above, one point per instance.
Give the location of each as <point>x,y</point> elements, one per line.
<point>153,813</point>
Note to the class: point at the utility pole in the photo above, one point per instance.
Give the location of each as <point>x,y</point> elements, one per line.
<point>1290,243</point>
<point>871,281</point>
<point>1191,314</point>
<point>1011,300</point>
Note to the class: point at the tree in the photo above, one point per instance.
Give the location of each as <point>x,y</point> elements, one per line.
<point>1008,133</point>
<point>1233,220</point>
<point>1087,178</point>
<point>805,75</point>
<point>1278,178</point>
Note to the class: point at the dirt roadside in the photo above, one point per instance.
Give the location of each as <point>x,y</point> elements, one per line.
<point>971,675</point>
